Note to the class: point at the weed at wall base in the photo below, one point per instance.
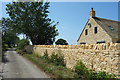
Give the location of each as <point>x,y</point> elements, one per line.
<point>57,59</point>
<point>58,71</point>
<point>83,72</point>
<point>55,66</point>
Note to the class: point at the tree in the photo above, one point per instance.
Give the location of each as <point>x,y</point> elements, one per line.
<point>22,43</point>
<point>9,37</point>
<point>31,19</point>
<point>0,41</point>
<point>61,42</point>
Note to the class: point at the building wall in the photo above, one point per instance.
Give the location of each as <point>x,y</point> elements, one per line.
<point>92,38</point>
<point>115,40</point>
<point>101,56</point>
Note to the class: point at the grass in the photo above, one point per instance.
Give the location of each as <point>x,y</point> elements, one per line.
<point>57,71</point>
<point>55,67</point>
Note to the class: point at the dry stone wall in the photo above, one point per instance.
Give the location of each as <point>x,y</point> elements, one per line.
<point>99,57</point>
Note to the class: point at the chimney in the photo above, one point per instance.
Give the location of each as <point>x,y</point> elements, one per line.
<point>92,13</point>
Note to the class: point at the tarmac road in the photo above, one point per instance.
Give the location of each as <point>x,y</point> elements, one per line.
<point>15,66</point>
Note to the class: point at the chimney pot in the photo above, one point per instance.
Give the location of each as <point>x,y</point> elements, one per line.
<point>92,13</point>
<point>91,9</point>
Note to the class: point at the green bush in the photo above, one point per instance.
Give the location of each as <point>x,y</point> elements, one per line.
<point>57,59</point>
<point>5,47</point>
<point>46,55</point>
<point>101,75</point>
<point>20,52</point>
<point>51,68</point>
<point>37,55</point>
<point>83,72</point>
<point>22,43</point>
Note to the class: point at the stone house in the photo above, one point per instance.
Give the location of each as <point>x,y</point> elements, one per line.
<point>99,30</point>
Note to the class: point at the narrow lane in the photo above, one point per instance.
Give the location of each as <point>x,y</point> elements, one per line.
<point>15,66</point>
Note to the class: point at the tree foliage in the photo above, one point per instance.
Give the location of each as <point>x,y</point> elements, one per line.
<point>61,42</point>
<point>22,43</point>
<point>31,19</point>
<point>9,36</point>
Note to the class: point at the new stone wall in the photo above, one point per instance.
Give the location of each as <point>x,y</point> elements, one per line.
<point>95,56</point>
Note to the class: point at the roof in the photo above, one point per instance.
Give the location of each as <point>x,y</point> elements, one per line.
<point>110,26</point>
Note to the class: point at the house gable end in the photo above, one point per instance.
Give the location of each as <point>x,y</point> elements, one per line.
<point>92,36</point>
<point>83,30</point>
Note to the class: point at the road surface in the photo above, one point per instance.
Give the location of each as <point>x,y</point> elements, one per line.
<point>15,66</point>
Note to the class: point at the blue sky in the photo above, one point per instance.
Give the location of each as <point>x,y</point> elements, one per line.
<point>72,16</point>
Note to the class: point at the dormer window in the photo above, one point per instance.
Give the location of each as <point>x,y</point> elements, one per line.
<point>89,25</point>
<point>110,28</point>
<point>86,32</point>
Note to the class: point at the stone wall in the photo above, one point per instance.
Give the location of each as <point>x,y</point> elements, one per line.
<point>95,56</point>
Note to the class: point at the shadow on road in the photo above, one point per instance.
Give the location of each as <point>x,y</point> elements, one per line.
<point>13,49</point>
<point>4,59</point>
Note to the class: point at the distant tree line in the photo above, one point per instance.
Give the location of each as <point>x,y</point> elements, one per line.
<point>61,42</point>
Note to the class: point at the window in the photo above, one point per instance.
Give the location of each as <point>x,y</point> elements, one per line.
<point>89,25</point>
<point>86,32</point>
<point>95,30</point>
<point>98,42</point>
<point>110,28</point>
<point>83,43</point>
<point>118,41</point>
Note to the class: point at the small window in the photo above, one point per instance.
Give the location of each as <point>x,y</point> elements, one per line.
<point>89,25</point>
<point>98,42</point>
<point>95,31</point>
<point>83,43</point>
<point>118,41</point>
<point>86,32</point>
<point>110,28</point>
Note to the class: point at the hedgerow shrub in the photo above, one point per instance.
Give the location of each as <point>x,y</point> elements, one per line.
<point>83,72</point>
<point>101,75</point>
<point>57,59</point>
<point>22,43</point>
<point>46,55</point>
<point>56,72</point>
<point>20,52</point>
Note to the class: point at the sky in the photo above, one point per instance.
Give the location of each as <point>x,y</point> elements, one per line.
<point>72,16</point>
<point>67,0</point>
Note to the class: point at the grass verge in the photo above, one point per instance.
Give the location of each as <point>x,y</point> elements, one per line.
<point>55,66</point>
<point>56,71</point>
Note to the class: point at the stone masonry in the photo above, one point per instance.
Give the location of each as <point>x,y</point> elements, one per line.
<point>100,57</point>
